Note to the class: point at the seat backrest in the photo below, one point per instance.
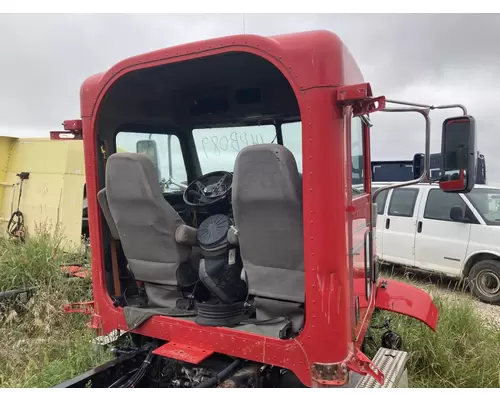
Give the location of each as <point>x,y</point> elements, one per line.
<point>103,202</point>
<point>267,207</point>
<point>144,220</point>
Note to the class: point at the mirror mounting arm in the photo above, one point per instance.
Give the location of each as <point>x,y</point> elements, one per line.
<point>425,174</point>
<point>359,96</point>
<point>462,107</point>
<point>430,107</point>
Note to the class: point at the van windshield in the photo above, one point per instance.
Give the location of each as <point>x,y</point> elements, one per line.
<point>487,203</point>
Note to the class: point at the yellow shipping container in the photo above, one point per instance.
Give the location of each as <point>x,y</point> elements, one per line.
<point>53,194</point>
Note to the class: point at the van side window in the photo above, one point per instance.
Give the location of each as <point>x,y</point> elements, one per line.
<point>440,203</point>
<point>403,202</point>
<point>381,200</point>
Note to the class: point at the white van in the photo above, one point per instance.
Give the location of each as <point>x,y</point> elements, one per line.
<point>457,235</point>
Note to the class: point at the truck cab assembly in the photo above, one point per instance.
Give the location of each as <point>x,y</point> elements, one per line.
<point>263,274</point>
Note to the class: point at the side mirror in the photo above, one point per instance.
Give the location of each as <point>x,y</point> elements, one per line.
<point>458,152</point>
<point>418,165</point>
<point>457,214</point>
<point>149,148</point>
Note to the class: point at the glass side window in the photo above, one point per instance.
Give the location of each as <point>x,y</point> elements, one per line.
<point>292,139</point>
<point>402,202</point>
<point>165,152</point>
<point>439,205</point>
<point>357,156</point>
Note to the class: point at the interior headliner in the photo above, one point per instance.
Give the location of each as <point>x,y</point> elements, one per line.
<point>222,90</point>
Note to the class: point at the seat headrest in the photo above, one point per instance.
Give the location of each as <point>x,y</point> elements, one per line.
<point>275,167</point>
<point>124,168</point>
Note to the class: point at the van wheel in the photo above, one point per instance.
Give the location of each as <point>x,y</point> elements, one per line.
<point>484,279</point>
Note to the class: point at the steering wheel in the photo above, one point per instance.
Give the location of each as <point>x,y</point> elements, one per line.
<point>208,189</point>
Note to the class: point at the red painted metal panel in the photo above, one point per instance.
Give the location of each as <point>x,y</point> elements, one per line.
<point>402,298</point>
<point>83,308</point>
<point>182,352</point>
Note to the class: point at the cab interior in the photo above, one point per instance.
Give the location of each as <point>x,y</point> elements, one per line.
<point>222,246</point>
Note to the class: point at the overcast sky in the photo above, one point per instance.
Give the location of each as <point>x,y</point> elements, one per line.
<point>434,59</point>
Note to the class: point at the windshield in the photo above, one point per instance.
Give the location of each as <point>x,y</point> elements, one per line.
<point>487,203</point>
<point>218,147</point>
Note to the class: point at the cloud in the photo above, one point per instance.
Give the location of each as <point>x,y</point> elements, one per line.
<point>430,58</point>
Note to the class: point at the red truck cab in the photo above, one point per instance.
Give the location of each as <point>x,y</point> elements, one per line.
<point>297,222</point>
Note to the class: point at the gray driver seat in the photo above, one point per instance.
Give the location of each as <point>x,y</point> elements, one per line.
<point>154,238</point>
<point>267,207</point>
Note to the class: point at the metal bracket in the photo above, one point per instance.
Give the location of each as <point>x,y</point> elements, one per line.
<point>86,308</point>
<point>337,374</point>
<point>362,365</point>
<point>65,135</point>
<point>23,175</point>
<point>182,352</point>
<point>76,271</point>
<point>73,131</point>
<point>368,106</point>
<point>360,98</point>
<point>95,322</point>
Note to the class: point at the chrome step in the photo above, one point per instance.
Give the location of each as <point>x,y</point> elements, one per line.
<point>393,364</point>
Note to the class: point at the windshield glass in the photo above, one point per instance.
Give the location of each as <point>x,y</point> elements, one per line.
<point>218,147</point>
<point>487,203</point>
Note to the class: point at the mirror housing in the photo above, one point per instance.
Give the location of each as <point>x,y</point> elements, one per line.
<point>418,165</point>
<point>458,153</point>
<point>150,149</point>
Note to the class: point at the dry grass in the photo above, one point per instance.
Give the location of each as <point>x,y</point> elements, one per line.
<point>42,347</point>
<point>465,350</point>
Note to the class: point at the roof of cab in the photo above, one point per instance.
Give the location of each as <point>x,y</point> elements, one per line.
<point>307,59</point>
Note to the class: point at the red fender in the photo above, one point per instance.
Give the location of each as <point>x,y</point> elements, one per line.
<point>402,298</point>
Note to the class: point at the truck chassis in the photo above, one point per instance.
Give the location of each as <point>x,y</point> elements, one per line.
<point>139,367</point>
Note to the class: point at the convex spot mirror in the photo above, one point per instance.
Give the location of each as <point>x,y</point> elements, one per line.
<point>458,152</point>
<point>149,149</point>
